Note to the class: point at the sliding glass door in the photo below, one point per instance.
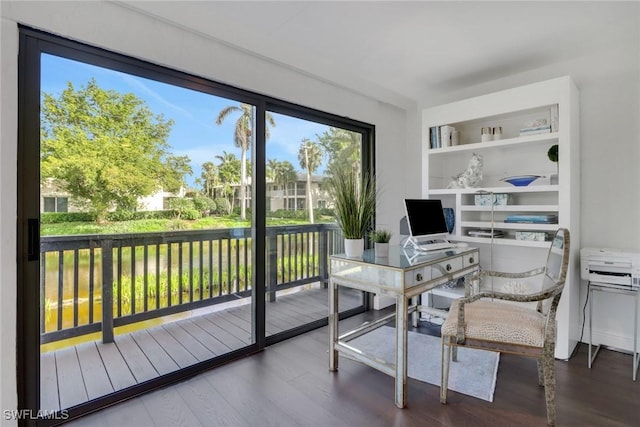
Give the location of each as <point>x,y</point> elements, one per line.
<point>168,224</point>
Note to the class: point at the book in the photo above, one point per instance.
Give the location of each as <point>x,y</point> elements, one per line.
<point>532,219</point>
<point>535,130</point>
<point>485,233</point>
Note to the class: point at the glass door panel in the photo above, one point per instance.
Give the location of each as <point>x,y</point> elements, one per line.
<point>301,229</point>
<point>145,248</point>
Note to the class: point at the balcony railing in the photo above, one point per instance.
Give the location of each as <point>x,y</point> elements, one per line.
<point>93,283</point>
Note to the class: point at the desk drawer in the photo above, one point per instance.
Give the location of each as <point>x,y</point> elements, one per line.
<point>416,276</point>
<point>470,259</point>
<point>445,267</point>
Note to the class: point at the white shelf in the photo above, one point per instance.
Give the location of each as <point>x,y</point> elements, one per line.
<point>495,190</point>
<point>502,241</point>
<point>510,225</point>
<point>545,138</point>
<point>453,293</point>
<point>511,208</point>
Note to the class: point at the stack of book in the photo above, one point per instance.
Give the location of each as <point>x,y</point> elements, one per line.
<point>532,219</point>
<point>485,233</point>
<point>441,136</point>
<point>535,130</point>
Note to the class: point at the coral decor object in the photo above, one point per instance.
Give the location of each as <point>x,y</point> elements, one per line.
<point>471,177</point>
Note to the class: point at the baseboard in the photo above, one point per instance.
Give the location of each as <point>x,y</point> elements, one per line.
<point>609,339</point>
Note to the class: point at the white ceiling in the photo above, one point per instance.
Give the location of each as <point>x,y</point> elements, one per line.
<point>400,51</point>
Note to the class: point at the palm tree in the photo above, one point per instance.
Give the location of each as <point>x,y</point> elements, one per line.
<point>272,168</point>
<point>343,149</point>
<point>229,173</point>
<point>310,157</point>
<point>284,174</point>
<point>242,139</point>
<point>208,178</point>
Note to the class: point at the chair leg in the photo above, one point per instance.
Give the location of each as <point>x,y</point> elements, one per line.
<point>444,368</point>
<point>540,372</point>
<point>454,350</point>
<point>550,385</point>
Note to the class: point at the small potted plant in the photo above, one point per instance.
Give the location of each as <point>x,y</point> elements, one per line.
<point>553,156</point>
<point>354,201</point>
<point>380,239</point>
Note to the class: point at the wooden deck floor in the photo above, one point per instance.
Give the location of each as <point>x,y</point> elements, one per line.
<point>289,385</point>
<point>83,372</point>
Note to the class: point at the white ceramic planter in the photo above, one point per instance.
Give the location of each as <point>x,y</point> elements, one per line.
<point>381,250</point>
<point>354,248</point>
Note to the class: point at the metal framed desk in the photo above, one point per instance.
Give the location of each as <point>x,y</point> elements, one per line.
<point>404,275</point>
<point>632,292</point>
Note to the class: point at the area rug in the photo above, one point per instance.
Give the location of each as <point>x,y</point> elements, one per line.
<point>474,374</point>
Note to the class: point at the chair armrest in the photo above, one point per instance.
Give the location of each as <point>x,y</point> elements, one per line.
<point>477,277</point>
<point>529,273</point>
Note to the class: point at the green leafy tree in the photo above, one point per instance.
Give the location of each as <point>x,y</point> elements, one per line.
<point>107,149</point>
<point>310,158</point>
<point>181,205</point>
<point>242,138</point>
<point>342,148</point>
<point>228,174</point>
<point>204,205</point>
<point>209,178</point>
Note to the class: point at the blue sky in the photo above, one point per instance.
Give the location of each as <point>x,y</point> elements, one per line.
<point>195,133</point>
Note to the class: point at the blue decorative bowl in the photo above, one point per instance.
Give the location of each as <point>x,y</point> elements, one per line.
<point>521,181</point>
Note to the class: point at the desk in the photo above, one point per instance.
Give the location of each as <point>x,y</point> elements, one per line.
<point>403,275</point>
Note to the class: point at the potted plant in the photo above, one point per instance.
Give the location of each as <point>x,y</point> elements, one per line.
<point>380,239</point>
<point>354,203</point>
<point>553,156</point>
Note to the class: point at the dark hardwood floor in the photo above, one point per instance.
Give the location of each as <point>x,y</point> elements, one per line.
<point>289,384</point>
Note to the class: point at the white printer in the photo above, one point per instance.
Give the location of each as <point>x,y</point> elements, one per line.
<point>615,268</point>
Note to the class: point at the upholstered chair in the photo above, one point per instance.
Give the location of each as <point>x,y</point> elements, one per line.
<point>485,321</point>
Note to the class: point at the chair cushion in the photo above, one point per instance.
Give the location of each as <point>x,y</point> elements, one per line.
<point>499,322</point>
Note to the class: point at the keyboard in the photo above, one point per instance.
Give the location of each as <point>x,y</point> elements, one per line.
<point>427,247</point>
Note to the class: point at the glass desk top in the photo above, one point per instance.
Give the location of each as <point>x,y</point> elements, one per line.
<point>406,258</point>
<point>403,269</point>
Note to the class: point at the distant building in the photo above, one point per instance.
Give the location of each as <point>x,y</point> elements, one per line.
<point>159,201</point>
<point>293,197</point>
<point>55,199</point>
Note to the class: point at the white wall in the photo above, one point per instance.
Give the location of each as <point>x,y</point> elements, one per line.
<point>118,29</point>
<point>8,196</point>
<point>609,83</point>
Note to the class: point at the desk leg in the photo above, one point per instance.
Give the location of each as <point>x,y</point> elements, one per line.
<point>635,337</point>
<point>415,316</point>
<point>333,325</point>
<point>401,351</point>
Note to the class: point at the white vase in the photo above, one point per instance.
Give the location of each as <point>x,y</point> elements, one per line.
<point>354,248</point>
<point>381,250</point>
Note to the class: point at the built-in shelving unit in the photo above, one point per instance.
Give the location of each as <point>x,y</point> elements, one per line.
<point>554,196</point>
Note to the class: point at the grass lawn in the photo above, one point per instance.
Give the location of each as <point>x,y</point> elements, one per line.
<point>157,225</point>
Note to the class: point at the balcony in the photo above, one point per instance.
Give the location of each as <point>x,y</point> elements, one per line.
<point>170,300</point>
